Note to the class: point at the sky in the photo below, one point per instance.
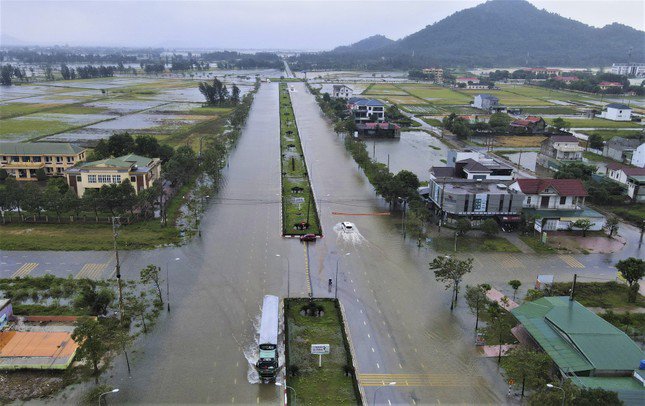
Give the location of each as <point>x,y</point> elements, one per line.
<point>259,24</point>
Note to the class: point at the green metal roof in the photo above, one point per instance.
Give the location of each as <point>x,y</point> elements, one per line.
<point>629,390</point>
<point>125,161</point>
<point>575,338</point>
<point>39,148</point>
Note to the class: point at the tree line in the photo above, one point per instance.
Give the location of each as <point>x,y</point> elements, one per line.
<point>87,72</point>
<point>8,72</point>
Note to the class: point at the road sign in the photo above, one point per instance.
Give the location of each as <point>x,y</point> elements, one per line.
<point>319,349</point>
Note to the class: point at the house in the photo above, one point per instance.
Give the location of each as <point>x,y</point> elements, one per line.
<point>621,149</point>
<point>544,71</point>
<point>557,149</point>
<point>583,346</point>
<point>6,311</point>
<point>383,129</point>
<point>467,80</point>
<point>474,119</point>
<point>139,170</point>
<point>629,69</point>
<point>528,125</point>
<point>632,178</point>
<point>567,80</point>
<point>365,110</point>
<point>638,156</point>
<point>342,92</point>
<point>609,85</point>
<point>437,72</point>
<point>485,102</point>
<point>475,187</point>
<point>617,112</point>
<point>23,159</point>
<point>558,203</point>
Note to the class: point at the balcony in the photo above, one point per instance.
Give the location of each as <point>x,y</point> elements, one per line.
<point>24,165</point>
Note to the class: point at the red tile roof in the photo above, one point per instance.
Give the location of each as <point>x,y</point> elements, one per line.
<point>629,170</point>
<point>610,84</point>
<point>564,187</point>
<point>566,78</point>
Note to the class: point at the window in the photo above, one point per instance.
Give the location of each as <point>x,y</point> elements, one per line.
<point>104,178</point>
<point>70,159</point>
<point>528,200</point>
<point>59,159</point>
<point>133,179</point>
<point>36,159</point>
<point>116,179</point>
<point>48,159</point>
<point>563,200</point>
<point>91,178</point>
<point>78,178</point>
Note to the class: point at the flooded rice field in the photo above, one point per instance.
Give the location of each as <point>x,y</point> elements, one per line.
<point>415,151</point>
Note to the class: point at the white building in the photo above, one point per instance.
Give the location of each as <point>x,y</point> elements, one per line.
<point>638,156</point>
<point>629,69</point>
<point>617,112</point>
<point>485,101</point>
<point>342,92</point>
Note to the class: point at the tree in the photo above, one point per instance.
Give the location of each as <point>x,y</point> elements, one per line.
<point>53,199</point>
<point>41,175</point>
<point>13,194</point>
<point>94,342</point>
<point>582,224</point>
<point>498,325</point>
<point>32,200</point>
<point>463,226</point>
<point>150,275</point>
<point>6,73</point>
<point>574,396</point>
<point>3,175</point>
<point>235,95</point>
<point>575,170</point>
<point>560,124</point>
<point>499,121</point>
<point>490,227</point>
<point>596,142</point>
<point>451,271</point>
<point>515,284</point>
<point>632,270</point>
<point>93,299</point>
<point>477,300</point>
<point>136,306</point>
<point>611,225</point>
<point>527,367</point>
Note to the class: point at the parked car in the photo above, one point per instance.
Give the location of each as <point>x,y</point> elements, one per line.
<point>308,237</point>
<point>347,226</point>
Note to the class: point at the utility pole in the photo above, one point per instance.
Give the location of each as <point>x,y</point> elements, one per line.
<point>573,287</point>
<point>115,224</point>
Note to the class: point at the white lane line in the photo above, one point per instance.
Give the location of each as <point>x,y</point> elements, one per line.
<point>378,366</point>
<point>373,349</point>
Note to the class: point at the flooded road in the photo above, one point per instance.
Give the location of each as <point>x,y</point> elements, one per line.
<point>399,319</point>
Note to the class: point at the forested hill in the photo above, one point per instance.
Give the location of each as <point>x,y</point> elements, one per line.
<point>368,44</point>
<point>497,33</point>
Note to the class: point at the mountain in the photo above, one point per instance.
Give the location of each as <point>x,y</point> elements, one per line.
<point>368,44</point>
<point>7,40</point>
<point>497,33</point>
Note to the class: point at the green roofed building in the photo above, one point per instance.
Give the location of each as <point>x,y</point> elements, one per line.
<point>583,345</point>
<point>23,159</point>
<point>139,170</point>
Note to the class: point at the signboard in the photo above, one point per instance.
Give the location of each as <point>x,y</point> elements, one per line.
<point>297,200</point>
<point>538,225</point>
<point>480,202</point>
<point>319,349</point>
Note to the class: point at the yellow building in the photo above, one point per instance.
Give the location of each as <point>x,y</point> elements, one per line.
<point>23,159</point>
<point>141,171</point>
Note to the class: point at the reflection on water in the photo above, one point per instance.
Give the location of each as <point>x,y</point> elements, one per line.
<point>352,236</point>
<point>415,151</point>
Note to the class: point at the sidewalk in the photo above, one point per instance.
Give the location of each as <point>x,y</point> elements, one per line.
<point>514,239</point>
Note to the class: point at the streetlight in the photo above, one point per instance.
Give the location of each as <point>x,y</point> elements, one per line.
<point>115,390</point>
<point>288,272</point>
<point>168,282</point>
<point>336,282</point>
<point>288,387</point>
<point>551,386</point>
<point>377,389</point>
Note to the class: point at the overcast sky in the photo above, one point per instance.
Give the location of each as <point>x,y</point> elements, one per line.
<point>263,24</point>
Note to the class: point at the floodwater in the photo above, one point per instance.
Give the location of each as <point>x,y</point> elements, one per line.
<point>415,151</point>
<point>398,315</point>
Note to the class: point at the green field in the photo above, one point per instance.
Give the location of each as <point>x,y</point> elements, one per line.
<point>312,385</point>
<point>437,94</point>
<point>609,134</point>
<point>508,98</point>
<point>22,129</point>
<point>597,123</point>
<point>474,244</point>
<point>384,89</point>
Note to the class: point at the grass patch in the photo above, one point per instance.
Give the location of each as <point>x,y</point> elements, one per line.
<point>328,385</point>
<point>209,111</point>
<point>595,157</point>
<point>529,141</point>
<point>15,109</point>
<point>509,98</point>
<point>297,206</point>
<point>81,237</point>
<point>537,246</point>
<point>633,212</point>
<point>31,128</point>
<point>538,111</point>
<point>607,295</point>
<point>384,89</point>
<point>597,123</point>
<point>432,121</point>
<point>474,244</point>
<point>436,94</point>
<point>609,134</point>
<point>78,109</point>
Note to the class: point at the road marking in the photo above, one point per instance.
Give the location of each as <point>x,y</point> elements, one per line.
<point>378,366</point>
<point>91,271</point>
<point>435,380</point>
<point>25,270</point>
<point>389,403</point>
<point>304,247</point>
<point>393,349</point>
<point>373,349</point>
<point>510,261</point>
<point>571,261</point>
<point>364,323</point>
